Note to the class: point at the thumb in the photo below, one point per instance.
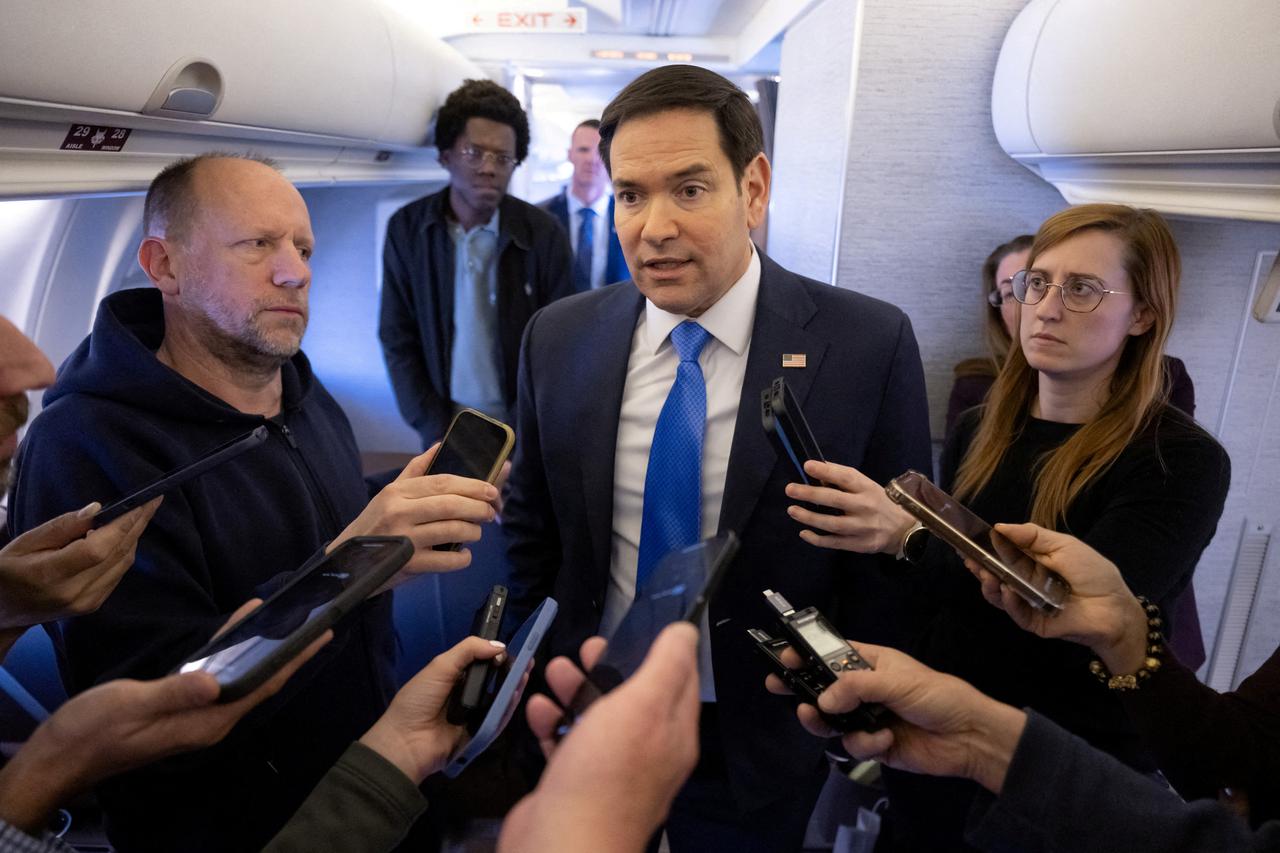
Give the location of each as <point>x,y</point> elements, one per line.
<point>419,464</point>
<point>57,532</point>
<point>176,693</point>
<point>1038,541</point>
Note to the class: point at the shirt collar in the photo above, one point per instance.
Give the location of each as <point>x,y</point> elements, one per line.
<point>729,320</point>
<point>459,232</point>
<point>600,205</point>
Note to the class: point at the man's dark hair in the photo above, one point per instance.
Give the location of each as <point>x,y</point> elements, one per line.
<point>171,203</point>
<point>674,87</point>
<point>593,123</point>
<point>481,99</point>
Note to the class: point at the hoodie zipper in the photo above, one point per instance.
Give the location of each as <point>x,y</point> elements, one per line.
<point>318,495</point>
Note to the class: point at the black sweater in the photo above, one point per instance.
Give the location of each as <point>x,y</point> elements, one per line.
<point>117,418</point>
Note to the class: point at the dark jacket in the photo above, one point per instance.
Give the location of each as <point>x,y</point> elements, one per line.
<point>416,320</point>
<point>116,419</point>
<point>1062,796</point>
<point>615,269</point>
<point>862,390</point>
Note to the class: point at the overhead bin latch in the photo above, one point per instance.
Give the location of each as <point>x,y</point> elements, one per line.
<point>191,88</point>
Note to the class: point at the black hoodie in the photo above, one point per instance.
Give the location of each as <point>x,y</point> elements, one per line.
<point>115,419</point>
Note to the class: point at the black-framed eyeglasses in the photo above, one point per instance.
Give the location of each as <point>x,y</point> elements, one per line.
<point>1079,293</point>
<point>477,156</point>
<point>997,297</point>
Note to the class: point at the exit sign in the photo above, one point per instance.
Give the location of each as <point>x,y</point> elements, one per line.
<point>572,19</point>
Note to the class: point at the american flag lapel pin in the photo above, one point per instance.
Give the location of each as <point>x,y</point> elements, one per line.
<point>793,359</point>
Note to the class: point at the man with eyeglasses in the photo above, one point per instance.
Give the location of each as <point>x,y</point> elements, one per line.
<point>465,268</point>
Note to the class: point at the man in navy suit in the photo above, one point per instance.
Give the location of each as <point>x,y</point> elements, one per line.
<point>639,414</point>
<point>585,209</point>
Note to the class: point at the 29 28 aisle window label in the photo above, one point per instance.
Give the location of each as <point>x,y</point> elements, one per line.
<point>90,137</point>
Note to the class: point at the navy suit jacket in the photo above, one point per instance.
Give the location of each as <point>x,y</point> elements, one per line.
<point>616,268</point>
<point>864,396</point>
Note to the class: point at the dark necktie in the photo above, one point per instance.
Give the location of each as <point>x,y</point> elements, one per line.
<point>672,516</point>
<point>586,244</point>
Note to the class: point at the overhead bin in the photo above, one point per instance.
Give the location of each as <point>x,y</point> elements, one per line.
<point>95,96</point>
<point>1170,104</point>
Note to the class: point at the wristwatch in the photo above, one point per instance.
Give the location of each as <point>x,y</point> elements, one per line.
<point>913,543</point>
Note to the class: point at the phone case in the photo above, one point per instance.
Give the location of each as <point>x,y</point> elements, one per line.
<point>467,703</point>
<point>502,454</point>
<point>398,551</point>
<point>1029,592</point>
<point>785,424</point>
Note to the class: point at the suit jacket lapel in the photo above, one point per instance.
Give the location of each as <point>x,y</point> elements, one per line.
<point>606,349</point>
<point>783,309</point>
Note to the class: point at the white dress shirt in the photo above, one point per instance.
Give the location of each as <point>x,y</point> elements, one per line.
<point>599,241</point>
<point>651,371</point>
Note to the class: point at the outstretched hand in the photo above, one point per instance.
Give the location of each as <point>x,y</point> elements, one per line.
<point>1100,612</point>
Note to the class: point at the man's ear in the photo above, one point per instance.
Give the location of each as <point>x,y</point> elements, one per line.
<point>157,262</point>
<point>755,186</point>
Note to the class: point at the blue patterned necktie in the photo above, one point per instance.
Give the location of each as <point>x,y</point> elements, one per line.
<point>586,245</point>
<point>673,484</point>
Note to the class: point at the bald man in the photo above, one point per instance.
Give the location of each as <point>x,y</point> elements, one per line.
<point>209,353</point>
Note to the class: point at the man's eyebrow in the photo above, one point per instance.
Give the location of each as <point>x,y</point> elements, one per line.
<point>697,170</point>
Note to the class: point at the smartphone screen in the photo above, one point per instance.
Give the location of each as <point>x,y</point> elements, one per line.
<point>264,640</point>
<point>172,479</point>
<point>946,517</point>
<point>474,446</point>
<point>679,589</point>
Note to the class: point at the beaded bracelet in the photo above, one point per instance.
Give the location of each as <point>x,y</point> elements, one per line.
<point>1150,665</point>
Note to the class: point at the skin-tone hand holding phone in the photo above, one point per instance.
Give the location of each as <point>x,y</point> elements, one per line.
<point>65,568</point>
<point>648,727</point>
<point>1100,611</point>
<point>120,725</point>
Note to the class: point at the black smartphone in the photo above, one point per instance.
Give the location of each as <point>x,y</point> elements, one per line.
<point>951,521</point>
<point>475,446</point>
<point>785,424</point>
<point>680,587</point>
<point>468,702</point>
<point>255,648</point>
<point>825,654</point>
<point>171,480</point>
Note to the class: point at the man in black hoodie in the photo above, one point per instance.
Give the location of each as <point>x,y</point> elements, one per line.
<point>166,374</point>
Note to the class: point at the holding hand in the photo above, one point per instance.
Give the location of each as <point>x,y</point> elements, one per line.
<point>1101,612</point>
<point>944,727</point>
<point>413,734</point>
<point>63,568</point>
<point>120,725</point>
<point>439,509</point>
<point>648,728</point>
<point>868,522</point>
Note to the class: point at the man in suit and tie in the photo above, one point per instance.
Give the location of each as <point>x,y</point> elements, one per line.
<point>639,421</point>
<point>585,209</point>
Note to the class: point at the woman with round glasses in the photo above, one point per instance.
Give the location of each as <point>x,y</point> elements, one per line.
<point>1076,435</point>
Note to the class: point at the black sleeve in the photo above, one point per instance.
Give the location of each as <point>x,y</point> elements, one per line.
<point>557,269</point>
<point>1203,740</point>
<point>402,347</point>
<point>528,517</point>
<point>1166,498</point>
<point>1062,795</point>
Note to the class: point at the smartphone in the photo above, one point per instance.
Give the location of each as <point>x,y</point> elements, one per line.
<point>506,697</point>
<point>951,521</point>
<point>807,684</point>
<point>679,588</point>
<point>467,702</point>
<point>475,446</point>
<point>322,592</point>
<point>785,424</point>
<point>171,480</point>
<point>824,654</point>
